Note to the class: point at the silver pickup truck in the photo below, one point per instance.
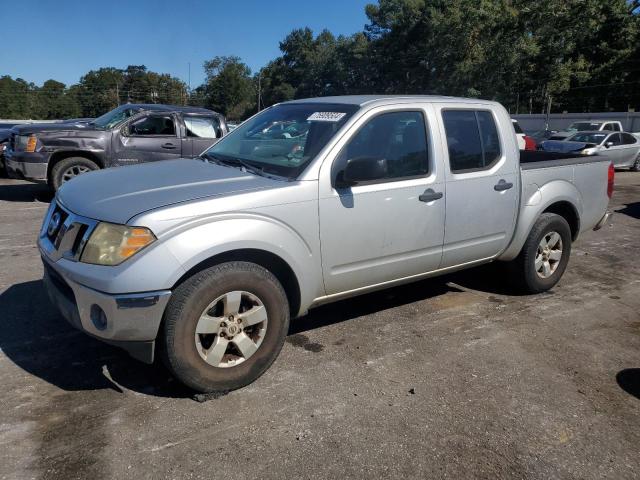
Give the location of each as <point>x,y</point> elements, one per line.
<point>203,262</point>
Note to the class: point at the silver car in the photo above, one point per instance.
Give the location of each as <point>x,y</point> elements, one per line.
<point>623,149</point>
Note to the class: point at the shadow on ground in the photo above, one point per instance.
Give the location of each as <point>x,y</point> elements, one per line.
<point>629,380</point>
<point>37,339</point>
<point>631,209</point>
<point>26,192</point>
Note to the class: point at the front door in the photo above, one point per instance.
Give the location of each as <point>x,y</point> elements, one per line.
<point>378,231</point>
<point>148,138</point>
<point>482,184</point>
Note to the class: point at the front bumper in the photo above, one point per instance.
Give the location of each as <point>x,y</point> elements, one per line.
<point>35,171</point>
<point>129,321</point>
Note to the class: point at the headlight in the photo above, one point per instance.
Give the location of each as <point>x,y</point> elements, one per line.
<point>588,151</point>
<point>112,244</point>
<point>26,143</point>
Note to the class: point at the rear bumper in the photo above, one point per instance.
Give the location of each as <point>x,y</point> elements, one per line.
<point>603,221</point>
<point>128,321</point>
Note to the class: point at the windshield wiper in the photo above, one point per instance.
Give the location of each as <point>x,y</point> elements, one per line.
<point>237,162</point>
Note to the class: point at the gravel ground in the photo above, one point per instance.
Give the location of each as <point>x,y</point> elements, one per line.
<point>455,377</point>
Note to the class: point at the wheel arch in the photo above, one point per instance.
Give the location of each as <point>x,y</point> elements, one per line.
<point>58,156</point>
<point>267,260</point>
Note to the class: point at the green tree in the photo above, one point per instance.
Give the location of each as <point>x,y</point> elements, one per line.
<point>229,87</point>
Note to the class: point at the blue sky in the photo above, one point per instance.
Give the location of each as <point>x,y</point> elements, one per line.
<point>63,39</point>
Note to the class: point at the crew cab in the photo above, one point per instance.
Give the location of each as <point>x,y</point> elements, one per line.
<point>204,262</point>
<point>130,134</point>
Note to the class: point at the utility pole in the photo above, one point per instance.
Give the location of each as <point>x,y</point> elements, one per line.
<point>118,93</point>
<point>546,126</point>
<point>189,78</point>
<point>259,90</point>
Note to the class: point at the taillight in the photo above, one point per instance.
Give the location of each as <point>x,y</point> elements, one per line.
<point>610,178</point>
<point>529,143</point>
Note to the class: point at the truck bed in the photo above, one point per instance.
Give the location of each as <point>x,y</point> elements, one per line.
<point>533,159</point>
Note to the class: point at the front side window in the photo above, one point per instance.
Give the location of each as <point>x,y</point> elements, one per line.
<point>398,137</point>
<point>203,127</point>
<point>160,125</point>
<point>472,139</point>
<point>614,139</point>
<point>283,139</point>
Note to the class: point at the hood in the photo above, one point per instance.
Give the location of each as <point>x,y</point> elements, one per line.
<point>563,146</point>
<point>49,127</point>
<point>117,194</point>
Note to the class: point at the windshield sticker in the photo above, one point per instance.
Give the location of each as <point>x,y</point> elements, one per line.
<point>326,117</point>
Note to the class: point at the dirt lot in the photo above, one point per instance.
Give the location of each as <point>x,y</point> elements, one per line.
<point>454,377</point>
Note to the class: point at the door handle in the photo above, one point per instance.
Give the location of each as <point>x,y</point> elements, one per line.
<point>429,195</point>
<point>502,185</point>
<point>169,146</point>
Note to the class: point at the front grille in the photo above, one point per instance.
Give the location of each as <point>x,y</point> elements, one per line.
<point>66,233</point>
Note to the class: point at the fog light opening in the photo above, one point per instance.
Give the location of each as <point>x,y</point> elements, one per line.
<point>98,317</point>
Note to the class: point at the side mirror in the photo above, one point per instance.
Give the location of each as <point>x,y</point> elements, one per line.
<point>608,144</point>
<point>363,169</point>
<point>124,131</point>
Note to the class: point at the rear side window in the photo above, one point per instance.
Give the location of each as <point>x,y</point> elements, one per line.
<point>628,139</point>
<point>472,139</point>
<point>203,127</point>
<point>517,128</point>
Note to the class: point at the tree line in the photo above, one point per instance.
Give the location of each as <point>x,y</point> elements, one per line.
<point>571,55</point>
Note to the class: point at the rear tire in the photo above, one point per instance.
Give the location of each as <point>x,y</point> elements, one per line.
<point>544,256</point>
<point>636,165</point>
<point>71,167</point>
<point>224,327</point>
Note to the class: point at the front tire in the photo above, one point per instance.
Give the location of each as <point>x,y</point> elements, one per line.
<point>544,256</point>
<point>69,168</point>
<point>224,327</point>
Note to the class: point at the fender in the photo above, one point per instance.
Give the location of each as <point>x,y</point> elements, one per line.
<point>196,241</point>
<point>534,202</point>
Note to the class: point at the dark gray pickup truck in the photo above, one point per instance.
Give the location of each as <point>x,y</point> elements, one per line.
<point>130,134</point>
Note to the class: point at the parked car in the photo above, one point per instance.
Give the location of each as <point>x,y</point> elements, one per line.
<point>130,134</point>
<point>5,134</point>
<point>525,142</point>
<point>621,148</point>
<point>588,126</point>
<point>204,262</point>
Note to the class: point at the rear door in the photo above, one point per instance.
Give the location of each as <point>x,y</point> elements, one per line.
<point>482,182</point>
<point>630,149</point>
<point>201,131</point>
<point>147,138</point>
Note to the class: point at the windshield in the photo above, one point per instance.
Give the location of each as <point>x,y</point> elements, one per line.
<point>283,139</point>
<point>114,117</point>
<point>596,138</point>
<point>583,126</point>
